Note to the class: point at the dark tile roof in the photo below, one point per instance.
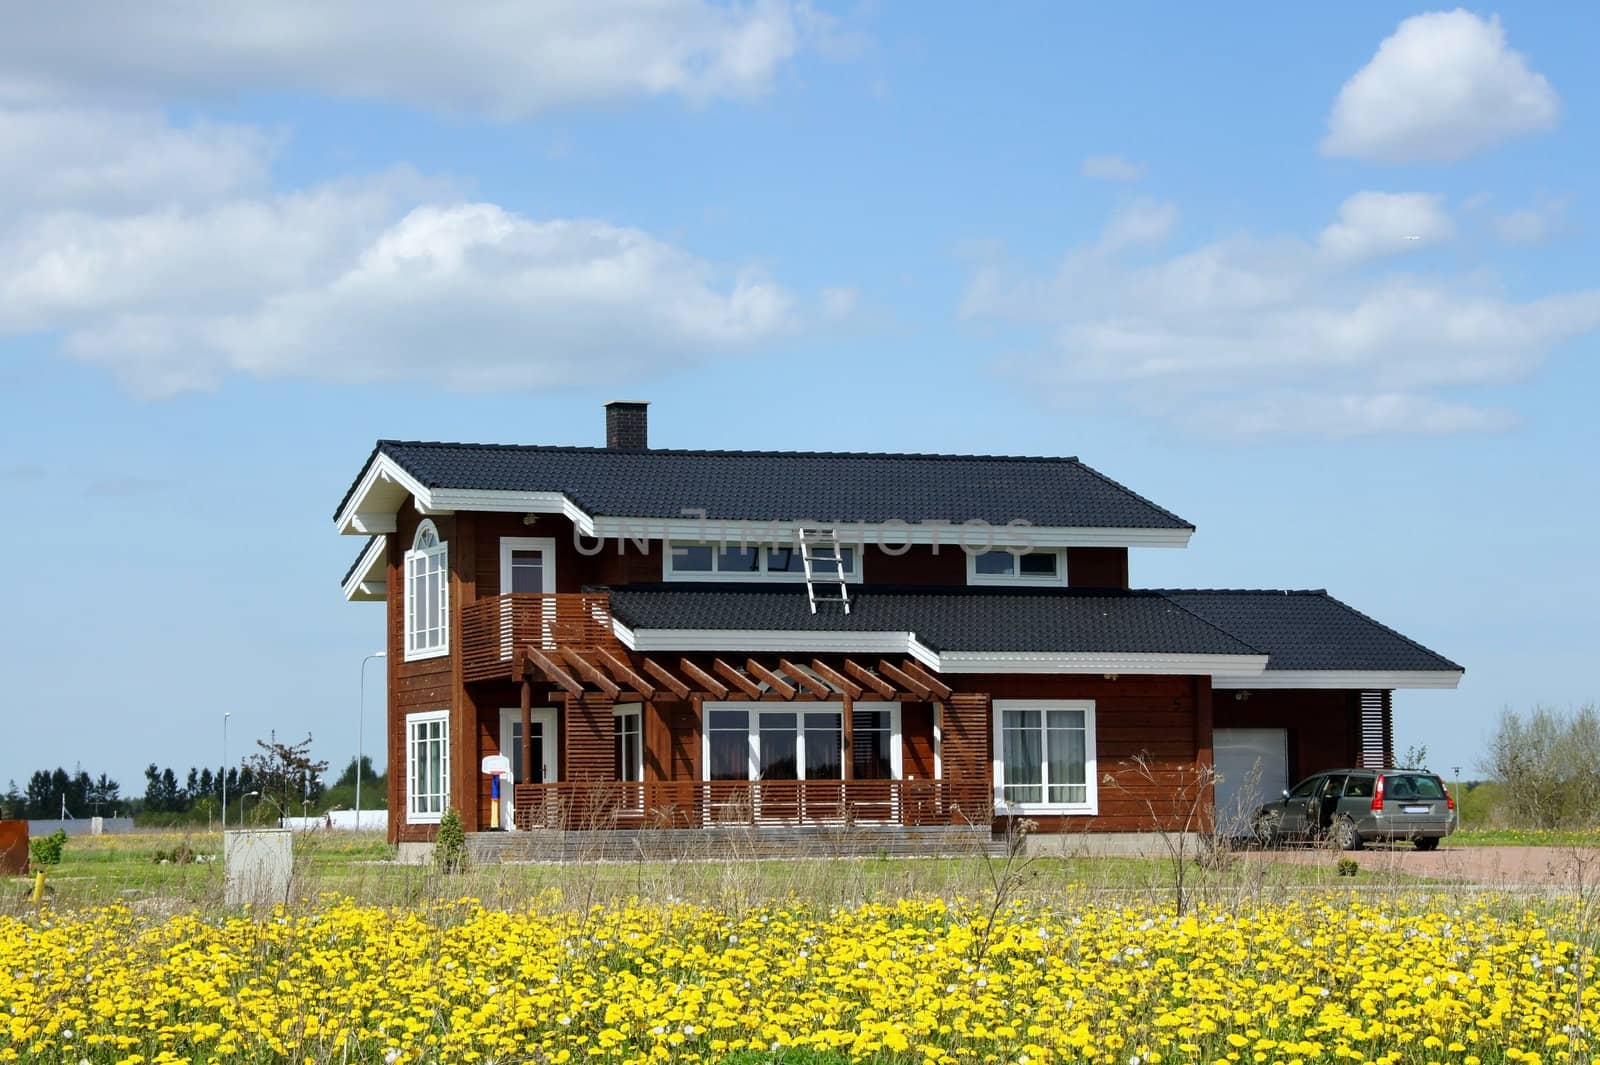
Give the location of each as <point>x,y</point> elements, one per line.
<point>365,547</point>
<point>1309,630</point>
<point>965,619</point>
<point>791,485</point>
<point>1297,630</point>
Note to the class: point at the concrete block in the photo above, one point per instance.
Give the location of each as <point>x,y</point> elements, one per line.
<point>257,865</point>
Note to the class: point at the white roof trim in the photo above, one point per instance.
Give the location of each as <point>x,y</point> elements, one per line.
<point>382,488</point>
<point>1341,678</point>
<point>899,643</point>
<point>369,581</point>
<point>1098,662</point>
<point>768,640</point>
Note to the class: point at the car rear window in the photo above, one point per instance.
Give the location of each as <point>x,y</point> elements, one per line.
<point>1358,787</point>
<point>1412,786</point>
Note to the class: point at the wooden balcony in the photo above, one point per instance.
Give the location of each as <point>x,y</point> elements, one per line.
<point>493,628</point>
<point>765,803</point>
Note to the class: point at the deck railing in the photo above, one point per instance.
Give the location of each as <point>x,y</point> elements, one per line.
<point>697,804</point>
<point>492,629</point>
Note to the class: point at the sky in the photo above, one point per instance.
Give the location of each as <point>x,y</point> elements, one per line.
<point>1319,279</point>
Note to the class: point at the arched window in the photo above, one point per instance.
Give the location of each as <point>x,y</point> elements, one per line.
<point>427,594</point>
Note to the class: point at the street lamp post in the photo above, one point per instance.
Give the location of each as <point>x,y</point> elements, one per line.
<point>361,724</point>
<point>225,771</point>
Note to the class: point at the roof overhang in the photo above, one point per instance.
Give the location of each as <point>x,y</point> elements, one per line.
<point>1096,662</point>
<point>385,485</point>
<point>1352,679</point>
<point>369,580</point>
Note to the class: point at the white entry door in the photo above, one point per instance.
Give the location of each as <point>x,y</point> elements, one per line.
<point>1252,767</point>
<point>546,751</point>
<point>527,566</point>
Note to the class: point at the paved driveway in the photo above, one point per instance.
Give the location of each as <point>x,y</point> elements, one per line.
<point>1557,867</point>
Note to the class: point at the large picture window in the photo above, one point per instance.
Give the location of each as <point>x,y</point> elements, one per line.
<point>1044,756</point>
<point>427,595</point>
<point>427,766</point>
<point>792,744</point>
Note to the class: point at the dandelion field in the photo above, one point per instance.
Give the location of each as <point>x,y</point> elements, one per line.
<point>1474,980</point>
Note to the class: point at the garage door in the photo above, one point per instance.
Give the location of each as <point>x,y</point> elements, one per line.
<point>1252,766</point>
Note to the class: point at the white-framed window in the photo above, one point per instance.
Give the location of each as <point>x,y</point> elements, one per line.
<point>427,766</point>
<point>1044,758</point>
<point>755,741</point>
<point>427,595</point>
<point>1004,565</point>
<point>751,562</point>
<point>628,761</point>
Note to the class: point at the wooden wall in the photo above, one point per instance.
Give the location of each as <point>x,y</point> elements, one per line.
<point>1322,725</point>
<point>413,686</point>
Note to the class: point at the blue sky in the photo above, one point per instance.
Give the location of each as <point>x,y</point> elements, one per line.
<point>1319,280</point>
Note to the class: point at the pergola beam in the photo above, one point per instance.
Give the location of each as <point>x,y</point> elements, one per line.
<point>904,679</point>
<point>869,678</point>
<point>837,679</point>
<point>742,682</point>
<point>805,679</point>
<point>939,689</point>
<point>624,672</point>
<point>590,672</point>
<point>665,676</point>
<point>535,657</point>
<point>773,681</point>
<point>709,684</point>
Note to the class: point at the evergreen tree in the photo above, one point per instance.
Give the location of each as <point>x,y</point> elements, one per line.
<point>171,797</point>
<point>152,789</point>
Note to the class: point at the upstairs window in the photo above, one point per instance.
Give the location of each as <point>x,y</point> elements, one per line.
<point>427,595</point>
<point>749,562</point>
<point>1006,566</point>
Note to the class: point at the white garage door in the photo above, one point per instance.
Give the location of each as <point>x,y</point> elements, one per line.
<point>1252,767</point>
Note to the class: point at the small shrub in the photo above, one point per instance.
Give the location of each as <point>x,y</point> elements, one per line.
<point>182,854</point>
<point>1349,867</point>
<point>450,845</point>
<point>46,850</point>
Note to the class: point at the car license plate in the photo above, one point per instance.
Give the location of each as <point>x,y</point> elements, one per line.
<point>1418,809</point>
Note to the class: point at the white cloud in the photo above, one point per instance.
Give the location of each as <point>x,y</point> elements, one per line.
<point>504,58</point>
<point>1532,225</point>
<point>1442,87</point>
<point>1376,224</point>
<point>174,267</point>
<point>1111,168</point>
<point>1142,222</point>
<point>1245,336</point>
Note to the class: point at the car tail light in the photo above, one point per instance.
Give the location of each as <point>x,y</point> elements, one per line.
<point>1377,795</point>
<point>1449,800</point>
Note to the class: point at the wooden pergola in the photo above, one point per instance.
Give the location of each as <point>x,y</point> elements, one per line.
<point>597,673</point>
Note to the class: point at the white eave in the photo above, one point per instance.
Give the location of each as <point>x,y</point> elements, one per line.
<point>1350,679</point>
<point>772,640</point>
<point>385,486</point>
<point>369,581</point>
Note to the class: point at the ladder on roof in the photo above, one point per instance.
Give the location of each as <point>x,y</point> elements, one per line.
<point>823,558</point>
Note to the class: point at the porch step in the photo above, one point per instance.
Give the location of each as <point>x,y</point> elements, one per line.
<point>730,842</point>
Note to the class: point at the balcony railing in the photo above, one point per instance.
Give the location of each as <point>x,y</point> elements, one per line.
<point>493,628</point>
<point>698,804</point>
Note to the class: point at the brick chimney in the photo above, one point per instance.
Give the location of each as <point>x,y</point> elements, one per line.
<point>627,425</point>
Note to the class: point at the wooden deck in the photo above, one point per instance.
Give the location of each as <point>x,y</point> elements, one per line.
<point>732,843</point>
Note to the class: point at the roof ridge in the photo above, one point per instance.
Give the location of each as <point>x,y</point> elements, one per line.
<point>763,453</point>
<point>1212,624</point>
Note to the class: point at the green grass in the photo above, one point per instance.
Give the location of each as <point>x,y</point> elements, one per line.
<point>1524,837</point>
<point>123,868</point>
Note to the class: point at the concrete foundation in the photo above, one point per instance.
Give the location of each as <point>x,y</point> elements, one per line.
<point>1106,844</point>
<point>257,864</point>
<point>414,853</point>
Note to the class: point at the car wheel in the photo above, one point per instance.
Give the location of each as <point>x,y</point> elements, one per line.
<point>1427,843</point>
<point>1344,835</point>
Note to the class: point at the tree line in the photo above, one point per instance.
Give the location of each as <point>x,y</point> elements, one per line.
<point>284,778</point>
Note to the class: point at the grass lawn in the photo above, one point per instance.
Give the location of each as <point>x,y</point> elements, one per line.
<point>125,868</point>
<point>1524,837</point>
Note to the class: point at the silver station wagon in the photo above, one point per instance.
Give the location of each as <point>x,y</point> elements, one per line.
<point>1347,807</point>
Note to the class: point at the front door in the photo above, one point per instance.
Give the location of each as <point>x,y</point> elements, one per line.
<point>527,567</point>
<point>545,750</point>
